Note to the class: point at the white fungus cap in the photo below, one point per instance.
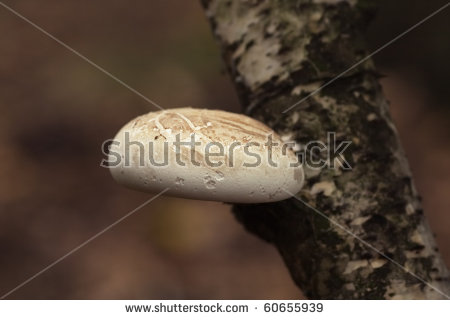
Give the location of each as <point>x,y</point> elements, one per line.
<point>155,151</point>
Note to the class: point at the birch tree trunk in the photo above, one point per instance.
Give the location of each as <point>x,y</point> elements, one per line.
<point>280,51</point>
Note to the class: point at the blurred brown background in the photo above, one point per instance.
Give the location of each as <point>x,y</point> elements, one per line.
<point>56,110</point>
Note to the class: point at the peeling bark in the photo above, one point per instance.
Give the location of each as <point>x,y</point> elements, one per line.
<point>278,52</point>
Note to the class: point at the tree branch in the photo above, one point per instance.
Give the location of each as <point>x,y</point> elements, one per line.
<point>280,51</point>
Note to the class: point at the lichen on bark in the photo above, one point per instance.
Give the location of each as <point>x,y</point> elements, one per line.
<point>279,52</point>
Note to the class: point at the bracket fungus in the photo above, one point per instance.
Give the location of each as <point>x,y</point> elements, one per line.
<point>205,154</point>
